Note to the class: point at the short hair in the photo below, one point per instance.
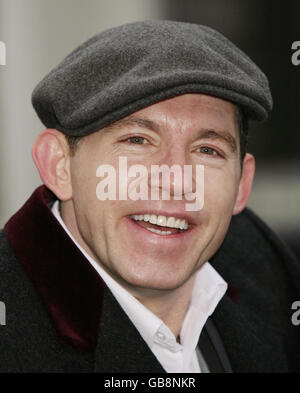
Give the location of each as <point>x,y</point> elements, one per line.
<point>241,121</point>
<point>243,126</point>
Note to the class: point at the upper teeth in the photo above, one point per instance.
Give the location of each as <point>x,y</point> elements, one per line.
<point>163,221</point>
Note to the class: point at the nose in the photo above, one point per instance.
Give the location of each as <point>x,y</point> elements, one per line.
<point>172,174</point>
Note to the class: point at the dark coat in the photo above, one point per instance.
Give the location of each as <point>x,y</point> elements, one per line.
<point>60,316</point>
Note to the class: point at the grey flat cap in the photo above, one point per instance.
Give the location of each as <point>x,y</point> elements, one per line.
<point>127,68</point>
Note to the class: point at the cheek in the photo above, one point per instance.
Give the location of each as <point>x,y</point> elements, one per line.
<point>88,209</point>
<point>220,190</point>
<point>86,176</point>
<point>84,185</point>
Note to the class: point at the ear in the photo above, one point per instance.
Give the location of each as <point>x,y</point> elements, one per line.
<point>50,153</point>
<point>245,185</point>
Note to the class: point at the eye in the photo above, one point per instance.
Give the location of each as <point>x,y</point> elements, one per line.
<point>208,150</point>
<point>139,140</point>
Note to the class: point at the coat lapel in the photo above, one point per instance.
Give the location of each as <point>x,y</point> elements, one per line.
<point>120,347</point>
<point>248,340</point>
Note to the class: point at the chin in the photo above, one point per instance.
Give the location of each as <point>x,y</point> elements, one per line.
<point>152,285</point>
<point>156,278</point>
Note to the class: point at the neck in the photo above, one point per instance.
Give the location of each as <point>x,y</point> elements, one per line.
<point>170,306</point>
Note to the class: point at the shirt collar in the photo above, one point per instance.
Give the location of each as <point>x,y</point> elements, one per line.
<point>208,290</point>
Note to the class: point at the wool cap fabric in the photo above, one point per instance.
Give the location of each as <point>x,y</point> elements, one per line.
<point>129,67</point>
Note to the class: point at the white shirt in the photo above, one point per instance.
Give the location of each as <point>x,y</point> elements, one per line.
<point>209,288</point>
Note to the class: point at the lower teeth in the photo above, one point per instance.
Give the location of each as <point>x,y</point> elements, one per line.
<point>159,232</point>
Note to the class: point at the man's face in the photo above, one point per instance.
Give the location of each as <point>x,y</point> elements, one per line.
<point>191,129</point>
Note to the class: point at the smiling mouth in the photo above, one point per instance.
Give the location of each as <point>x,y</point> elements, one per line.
<point>161,225</point>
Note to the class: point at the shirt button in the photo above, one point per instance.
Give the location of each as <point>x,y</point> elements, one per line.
<point>161,336</point>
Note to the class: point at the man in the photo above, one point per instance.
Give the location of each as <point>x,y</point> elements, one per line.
<point>143,284</point>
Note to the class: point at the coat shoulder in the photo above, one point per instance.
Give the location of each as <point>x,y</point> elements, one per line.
<point>253,251</point>
<point>263,277</point>
<point>28,340</point>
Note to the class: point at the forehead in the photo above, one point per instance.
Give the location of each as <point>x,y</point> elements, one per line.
<point>191,110</point>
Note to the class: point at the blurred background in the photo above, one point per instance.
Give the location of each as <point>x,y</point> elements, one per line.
<point>40,33</point>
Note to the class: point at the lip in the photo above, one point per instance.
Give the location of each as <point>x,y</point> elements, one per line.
<point>141,231</point>
<point>182,215</point>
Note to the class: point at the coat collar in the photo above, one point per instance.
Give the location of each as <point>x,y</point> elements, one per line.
<point>70,288</point>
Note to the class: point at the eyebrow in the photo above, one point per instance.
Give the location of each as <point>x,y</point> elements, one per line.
<point>134,121</point>
<point>151,125</point>
<point>224,136</point>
